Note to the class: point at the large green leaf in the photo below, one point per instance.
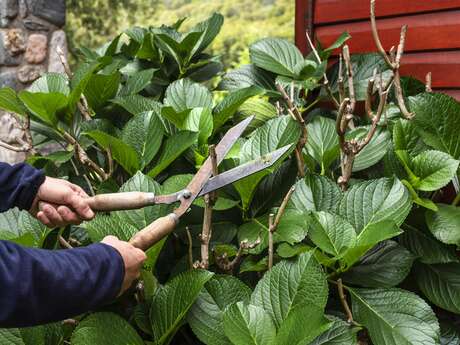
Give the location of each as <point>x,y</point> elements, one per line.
<point>406,137</point>
<point>315,193</point>
<point>137,82</point>
<point>103,225</point>
<point>276,55</point>
<point>136,104</point>
<point>247,76</point>
<point>211,27</point>
<point>290,284</point>
<point>426,248</point>
<point>51,82</point>
<point>449,335</point>
<point>260,108</point>
<point>185,94</point>
<point>374,201</point>
<point>340,333</point>
<point>105,328</point>
<point>372,152</point>
<point>144,133</point>
<point>44,106</point>
<point>437,117</point>
<point>199,120</point>
<point>248,325</point>
<point>323,142</point>
<point>50,334</point>
<point>274,134</point>
<point>101,88</point>
<point>441,284</point>
<point>122,153</point>
<point>9,101</point>
<point>205,317</point>
<point>430,170</point>
<point>302,325</point>
<point>331,233</point>
<point>172,302</point>
<point>229,105</point>
<point>445,223</point>
<point>172,149</point>
<point>20,227</point>
<point>395,317</point>
<point>180,48</point>
<point>385,265</point>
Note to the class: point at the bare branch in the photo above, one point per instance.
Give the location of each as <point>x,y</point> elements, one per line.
<point>340,81</point>
<point>428,82</point>
<point>369,95</point>
<point>14,148</point>
<point>271,230</point>
<point>351,87</point>
<point>343,300</point>
<point>375,35</point>
<point>64,243</point>
<point>224,264</point>
<point>190,247</point>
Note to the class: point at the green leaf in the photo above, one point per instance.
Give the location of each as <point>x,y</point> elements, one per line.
<point>315,193</point>
<point>136,104</point>
<point>211,28</point>
<point>371,235</point>
<point>437,118</point>
<point>51,82</point>
<point>103,225</point>
<point>449,335</point>
<point>181,49</point>
<point>323,142</point>
<point>137,82</point>
<point>276,55</point>
<point>50,334</point>
<point>206,315</point>
<point>230,104</point>
<point>445,224</point>
<point>260,108</point>
<point>373,152</point>
<point>172,302</point>
<point>290,284</point>
<point>441,284</point>
<point>385,265</point>
<point>184,94</point>
<point>11,336</point>
<point>425,247</point>
<point>199,120</point>
<point>44,106</point>
<point>286,250</point>
<point>331,233</point>
<point>105,328</point>
<point>9,101</point>
<point>302,325</point>
<point>406,137</point>
<point>340,333</point>
<point>80,80</point>
<point>101,88</point>
<point>247,76</point>
<point>394,316</point>
<point>173,148</point>
<point>374,201</point>
<point>121,152</point>
<point>273,135</point>
<point>345,36</point>
<point>430,170</point>
<point>144,133</point>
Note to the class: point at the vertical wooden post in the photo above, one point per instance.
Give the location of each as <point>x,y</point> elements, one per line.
<point>304,10</point>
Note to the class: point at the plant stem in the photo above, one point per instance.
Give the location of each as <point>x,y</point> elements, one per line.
<point>271,229</point>
<point>190,247</point>
<point>64,243</point>
<point>456,200</point>
<point>343,300</point>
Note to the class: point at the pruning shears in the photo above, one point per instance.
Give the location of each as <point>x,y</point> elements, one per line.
<point>202,183</point>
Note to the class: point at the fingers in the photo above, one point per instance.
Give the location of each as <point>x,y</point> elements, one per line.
<point>52,215</point>
<point>80,206</point>
<point>68,215</point>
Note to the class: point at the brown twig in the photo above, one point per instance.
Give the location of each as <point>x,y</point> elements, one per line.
<point>228,266</point>
<point>370,93</point>
<point>190,247</point>
<point>428,82</point>
<point>64,243</point>
<point>340,80</point>
<point>325,79</point>
<point>14,148</point>
<point>209,200</point>
<point>349,69</point>
<point>295,113</point>
<point>343,301</point>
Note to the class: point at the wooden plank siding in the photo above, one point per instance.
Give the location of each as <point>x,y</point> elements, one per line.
<point>433,38</point>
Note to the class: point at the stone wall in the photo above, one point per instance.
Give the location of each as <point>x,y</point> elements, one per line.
<point>30,31</point>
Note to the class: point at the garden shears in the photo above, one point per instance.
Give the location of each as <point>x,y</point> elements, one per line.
<point>202,183</point>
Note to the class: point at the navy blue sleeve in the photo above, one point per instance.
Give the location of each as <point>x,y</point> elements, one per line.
<point>19,184</point>
<point>38,286</point>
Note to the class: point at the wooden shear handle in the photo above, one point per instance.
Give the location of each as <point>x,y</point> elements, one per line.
<point>154,232</point>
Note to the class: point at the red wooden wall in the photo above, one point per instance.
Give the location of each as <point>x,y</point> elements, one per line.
<point>433,38</point>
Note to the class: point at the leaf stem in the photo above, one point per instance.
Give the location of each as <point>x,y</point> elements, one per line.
<point>456,200</point>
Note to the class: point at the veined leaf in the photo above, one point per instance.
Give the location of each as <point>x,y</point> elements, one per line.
<point>211,27</point>
<point>185,94</point>
<point>101,88</point>
<point>173,148</point>
<point>437,118</point>
<point>200,120</point>
<point>315,193</point>
<point>50,334</point>
<point>449,335</point>
<point>9,101</point>
<point>385,265</point>
<point>229,105</point>
<point>374,201</point>
<point>246,324</point>
<point>137,82</point>
<point>406,137</point>
<point>290,284</point>
<point>172,302</point>
<point>441,284</point>
<point>44,106</point>
<point>445,223</point>
<point>144,133</point>
<point>103,225</point>
<point>340,333</point>
<point>247,76</point>
<point>394,317</point>
<point>331,233</point>
<point>105,328</point>
<point>206,315</point>
<point>261,109</point>
<point>136,104</point>
<point>276,55</point>
<point>121,152</point>
<point>323,142</point>
<point>51,82</point>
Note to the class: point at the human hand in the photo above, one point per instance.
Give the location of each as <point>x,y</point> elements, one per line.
<point>133,259</point>
<point>62,203</point>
